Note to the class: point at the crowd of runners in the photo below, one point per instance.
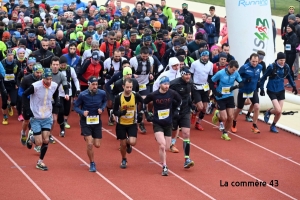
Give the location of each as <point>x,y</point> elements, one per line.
<point>140,65</point>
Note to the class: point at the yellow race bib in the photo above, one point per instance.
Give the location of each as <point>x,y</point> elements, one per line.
<point>9,77</point>
<point>143,87</point>
<point>92,119</point>
<point>205,87</point>
<point>225,90</point>
<point>163,114</point>
<point>245,95</point>
<point>129,114</point>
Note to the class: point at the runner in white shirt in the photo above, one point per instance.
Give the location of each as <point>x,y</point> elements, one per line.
<point>142,68</point>
<point>88,53</point>
<point>202,69</point>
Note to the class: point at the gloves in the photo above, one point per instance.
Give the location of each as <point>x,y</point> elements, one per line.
<point>149,116</point>
<point>77,93</point>
<point>262,92</point>
<point>295,91</point>
<point>107,76</point>
<point>122,113</point>
<point>176,114</point>
<point>218,94</point>
<point>233,88</point>
<point>139,117</point>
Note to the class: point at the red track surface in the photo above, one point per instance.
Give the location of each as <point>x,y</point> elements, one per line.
<point>247,157</point>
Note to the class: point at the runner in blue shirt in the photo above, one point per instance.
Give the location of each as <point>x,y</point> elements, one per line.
<point>224,93</point>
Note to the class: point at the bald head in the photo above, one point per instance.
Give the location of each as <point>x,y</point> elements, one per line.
<point>59,35</point>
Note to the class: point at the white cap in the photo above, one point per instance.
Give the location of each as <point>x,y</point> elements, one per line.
<point>173,61</point>
<point>5,21</point>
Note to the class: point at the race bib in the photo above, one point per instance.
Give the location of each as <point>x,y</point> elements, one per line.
<point>9,77</point>
<point>205,87</point>
<point>225,90</point>
<point>92,119</point>
<point>288,47</point>
<point>143,87</point>
<point>163,114</point>
<point>129,114</point>
<point>112,86</point>
<point>245,95</point>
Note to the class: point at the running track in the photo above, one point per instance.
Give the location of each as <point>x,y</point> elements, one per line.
<point>247,157</point>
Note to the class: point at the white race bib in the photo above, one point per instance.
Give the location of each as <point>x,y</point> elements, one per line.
<point>245,95</point>
<point>205,87</point>
<point>163,114</point>
<point>9,77</point>
<point>288,47</point>
<point>143,87</point>
<point>92,119</point>
<point>225,90</point>
<point>129,114</point>
<point>112,86</point>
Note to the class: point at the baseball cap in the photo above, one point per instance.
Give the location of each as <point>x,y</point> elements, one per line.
<point>95,56</point>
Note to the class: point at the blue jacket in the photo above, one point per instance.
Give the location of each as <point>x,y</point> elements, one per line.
<point>2,70</point>
<point>70,61</point>
<point>246,72</point>
<point>86,101</point>
<point>210,29</point>
<point>225,79</point>
<point>276,84</point>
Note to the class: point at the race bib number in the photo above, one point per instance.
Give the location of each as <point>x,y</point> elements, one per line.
<point>205,87</point>
<point>9,77</point>
<point>143,87</point>
<point>163,114</point>
<point>288,47</point>
<point>245,95</point>
<point>225,90</point>
<point>129,114</point>
<point>92,119</point>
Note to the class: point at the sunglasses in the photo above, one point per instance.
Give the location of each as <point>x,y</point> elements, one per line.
<point>32,58</point>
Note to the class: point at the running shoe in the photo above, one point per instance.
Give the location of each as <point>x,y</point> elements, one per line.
<point>110,123</point>
<point>199,127</point>
<point>225,137</point>
<point>37,149</point>
<point>209,107</point>
<point>129,148</point>
<point>142,127</point>
<point>41,166</point>
<point>255,129</point>
<point>233,129</point>
<point>165,171</point>
<point>51,139</point>
<point>273,129</point>
<point>249,119</point>
<point>28,141</point>
<point>23,138</point>
<point>215,118</point>
<point>123,164</point>
<point>67,125</point>
<point>267,116</point>
<point>188,163</point>
<point>5,121</point>
<point>173,149</point>
<point>92,167</point>
<point>62,133</point>
<point>111,116</point>
<point>20,118</point>
<point>10,110</point>
<point>221,127</point>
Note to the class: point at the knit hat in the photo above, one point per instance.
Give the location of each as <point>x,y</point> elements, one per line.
<point>47,73</point>
<point>222,55</point>
<point>164,79</point>
<point>6,34</point>
<point>185,70</point>
<point>127,70</point>
<point>291,26</point>
<point>292,17</point>
<point>38,67</point>
<point>31,60</point>
<point>91,23</point>
<point>280,55</point>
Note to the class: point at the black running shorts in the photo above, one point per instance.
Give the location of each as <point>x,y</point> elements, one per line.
<point>276,95</point>
<point>124,131</point>
<point>167,130</point>
<point>184,121</point>
<point>225,103</point>
<point>94,130</point>
<point>241,99</point>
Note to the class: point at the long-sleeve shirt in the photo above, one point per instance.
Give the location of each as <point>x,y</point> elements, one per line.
<point>88,102</point>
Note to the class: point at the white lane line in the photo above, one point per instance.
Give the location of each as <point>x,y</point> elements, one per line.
<point>98,173</point>
<point>269,150</point>
<point>26,175</point>
<point>235,167</point>
<point>176,175</point>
